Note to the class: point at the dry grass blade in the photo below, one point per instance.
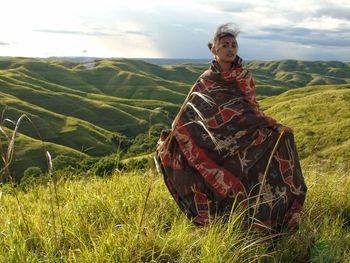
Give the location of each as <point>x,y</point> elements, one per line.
<point>217,146</point>
<point>186,103</point>
<point>157,165</point>
<point>206,98</point>
<point>3,113</point>
<point>11,145</point>
<point>3,156</point>
<point>4,133</point>
<point>56,196</point>
<point>264,177</point>
<point>196,110</point>
<point>259,258</point>
<point>7,158</point>
<point>144,210</point>
<point>253,243</point>
<point>49,160</point>
<point>10,148</point>
<point>7,155</point>
<point>10,121</point>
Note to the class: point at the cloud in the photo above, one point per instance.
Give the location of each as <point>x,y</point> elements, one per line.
<point>229,6</point>
<point>133,32</point>
<point>70,32</point>
<point>335,12</point>
<point>179,29</point>
<point>93,33</point>
<point>305,36</point>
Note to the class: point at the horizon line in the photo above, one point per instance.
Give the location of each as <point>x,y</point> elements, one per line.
<point>169,58</point>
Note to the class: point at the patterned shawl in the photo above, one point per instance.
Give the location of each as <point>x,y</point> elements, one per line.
<point>218,150</point>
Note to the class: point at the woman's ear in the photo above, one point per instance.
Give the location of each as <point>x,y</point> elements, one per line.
<point>213,50</point>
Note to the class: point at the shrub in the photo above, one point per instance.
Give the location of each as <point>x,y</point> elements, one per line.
<point>30,175</point>
<point>146,142</point>
<point>143,163</point>
<point>106,165</point>
<point>64,162</point>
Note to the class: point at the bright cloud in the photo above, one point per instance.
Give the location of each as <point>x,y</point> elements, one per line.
<point>270,29</point>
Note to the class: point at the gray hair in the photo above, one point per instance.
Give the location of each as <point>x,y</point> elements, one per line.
<point>222,31</point>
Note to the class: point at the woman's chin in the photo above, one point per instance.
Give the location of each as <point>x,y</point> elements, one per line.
<point>230,58</point>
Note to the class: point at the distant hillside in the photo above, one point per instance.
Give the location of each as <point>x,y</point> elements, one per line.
<point>157,61</point>
<point>90,106</point>
<point>275,77</point>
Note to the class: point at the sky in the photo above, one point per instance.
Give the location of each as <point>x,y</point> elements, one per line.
<point>269,29</point>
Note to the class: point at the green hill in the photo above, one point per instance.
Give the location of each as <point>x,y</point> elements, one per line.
<point>320,117</point>
<point>85,106</point>
<point>29,152</point>
<point>275,77</point>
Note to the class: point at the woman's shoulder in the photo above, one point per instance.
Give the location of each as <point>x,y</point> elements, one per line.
<point>243,72</point>
<point>206,74</point>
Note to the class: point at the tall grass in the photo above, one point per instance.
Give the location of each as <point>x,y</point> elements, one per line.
<point>123,219</point>
<point>7,148</point>
<point>131,217</point>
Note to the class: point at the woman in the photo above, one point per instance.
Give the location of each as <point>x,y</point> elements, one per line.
<point>223,151</point>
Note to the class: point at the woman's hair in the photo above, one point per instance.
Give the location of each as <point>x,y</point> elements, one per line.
<point>222,31</point>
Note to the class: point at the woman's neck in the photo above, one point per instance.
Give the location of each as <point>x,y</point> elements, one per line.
<point>224,66</point>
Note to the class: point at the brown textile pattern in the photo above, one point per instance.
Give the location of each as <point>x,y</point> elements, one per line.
<point>217,153</point>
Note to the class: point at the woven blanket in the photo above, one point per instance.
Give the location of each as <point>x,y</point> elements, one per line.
<point>223,152</point>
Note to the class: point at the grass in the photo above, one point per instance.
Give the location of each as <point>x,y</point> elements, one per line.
<point>132,217</point>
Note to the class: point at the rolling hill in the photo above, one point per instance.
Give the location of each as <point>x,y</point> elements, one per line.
<point>275,77</point>
<point>320,118</point>
<point>82,106</point>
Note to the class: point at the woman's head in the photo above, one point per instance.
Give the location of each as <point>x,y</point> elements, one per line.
<point>224,45</point>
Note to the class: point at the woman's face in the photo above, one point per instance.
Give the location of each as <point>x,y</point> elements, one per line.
<point>227,49</point>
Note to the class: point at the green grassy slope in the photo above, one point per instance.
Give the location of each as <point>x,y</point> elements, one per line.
<point>57,128</point>
<point>275,77</point>
<point>320,117</point>
<point>102,96</point>
<point>78,108</point>
<point>83,105</point>
<point>29,152</point>
<point>133,218</point>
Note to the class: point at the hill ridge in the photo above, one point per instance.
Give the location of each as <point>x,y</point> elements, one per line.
<point>125,98</point>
